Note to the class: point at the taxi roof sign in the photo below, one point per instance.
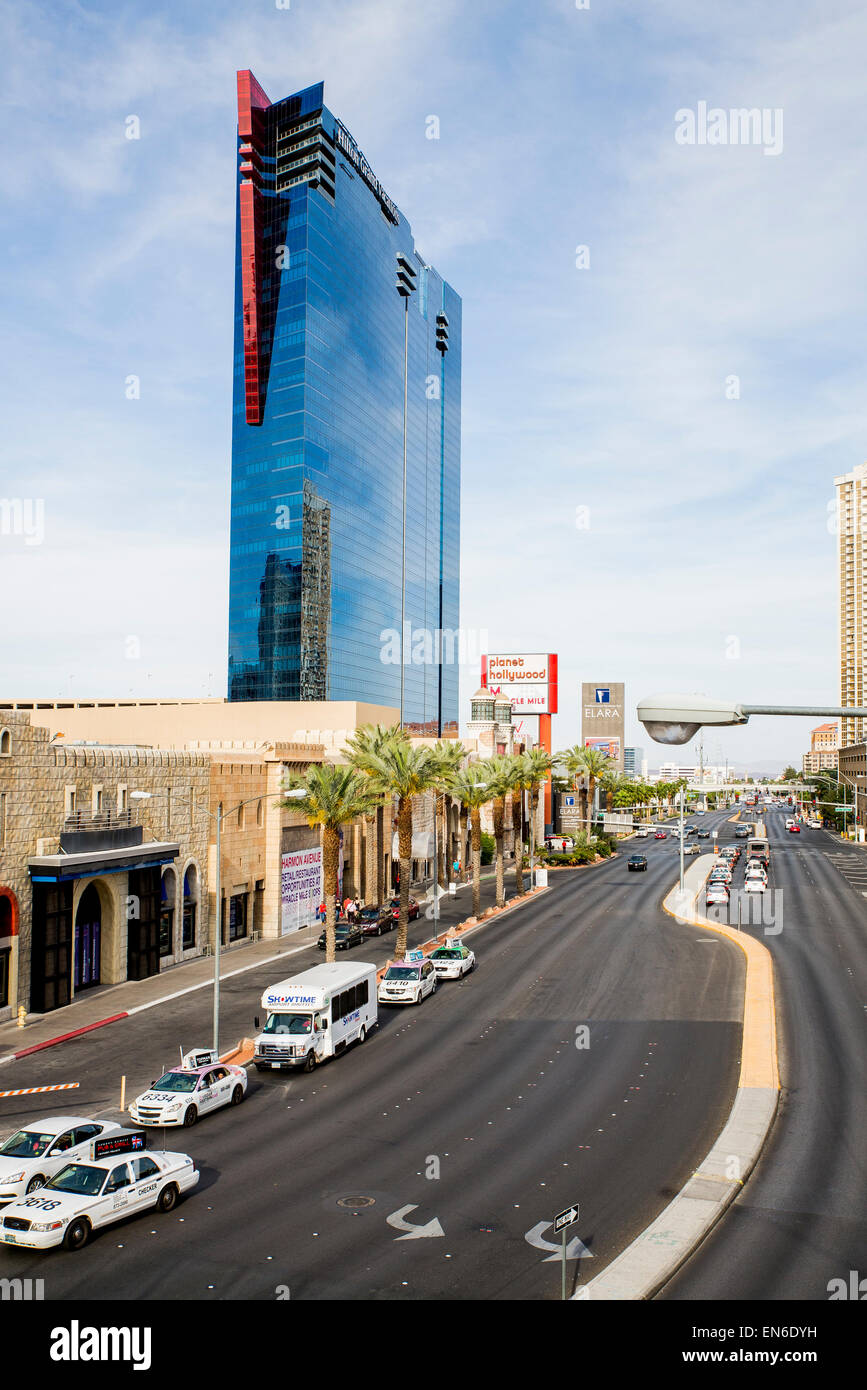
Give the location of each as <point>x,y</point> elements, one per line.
<point>128,1141</point>
<point>199,1057</point>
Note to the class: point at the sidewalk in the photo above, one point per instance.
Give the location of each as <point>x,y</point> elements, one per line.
<point>109,1003</point>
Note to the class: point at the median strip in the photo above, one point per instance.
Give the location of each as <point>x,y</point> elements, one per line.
<point>647,1264</point>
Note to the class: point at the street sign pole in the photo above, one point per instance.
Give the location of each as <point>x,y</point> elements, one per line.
<point>563,1282</point>
<point>562,1221</point>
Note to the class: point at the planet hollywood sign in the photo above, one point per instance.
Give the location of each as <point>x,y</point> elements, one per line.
<point>528,680</point>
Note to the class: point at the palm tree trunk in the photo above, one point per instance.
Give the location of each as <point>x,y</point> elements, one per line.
<point>518,840</point>
<point>534,806</point>
<point>476,821</point>
<point>330,859</point>
<point>464,855</point>
<point>591,797</point>
<point>498,810</point>
<point>404,847</point>
<point>442,846</point>
<point>371,855</point>
<point>380,868</point>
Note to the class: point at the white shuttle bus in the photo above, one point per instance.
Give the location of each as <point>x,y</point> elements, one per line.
<point>316,1015</point>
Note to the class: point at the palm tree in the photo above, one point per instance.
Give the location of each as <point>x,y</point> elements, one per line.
<point>537,764</point>
<point>400,769</point>
<point>448,756</point>
<point>372,738</point>
<point>499,774</point>
<point>334,796</point>
<point>470,788</point>
<point>614,783</point>
<point>595,764</point>
<point>516,787</point>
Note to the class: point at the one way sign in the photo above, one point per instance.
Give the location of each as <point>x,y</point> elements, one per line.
<point>566,1218</point>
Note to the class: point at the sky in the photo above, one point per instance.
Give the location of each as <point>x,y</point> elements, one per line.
<point>651,425</point>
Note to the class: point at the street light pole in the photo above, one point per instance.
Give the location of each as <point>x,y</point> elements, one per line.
<point>682,794</point>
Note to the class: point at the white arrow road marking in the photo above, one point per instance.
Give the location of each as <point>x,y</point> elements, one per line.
<point>575,1249</point>
<point>433,1228</point>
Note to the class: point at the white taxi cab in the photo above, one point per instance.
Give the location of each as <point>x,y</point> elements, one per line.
<point>31,1156</point>
<point>184,1093</point>
<point>454,961</point>
<point>407,981</point>
<point>116,1179</point>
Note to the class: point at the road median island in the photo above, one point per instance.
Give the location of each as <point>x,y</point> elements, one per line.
<point>646,1265</point>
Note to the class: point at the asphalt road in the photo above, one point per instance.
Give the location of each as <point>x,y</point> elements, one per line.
<point>483,1084</point>
<point>802,1219</point>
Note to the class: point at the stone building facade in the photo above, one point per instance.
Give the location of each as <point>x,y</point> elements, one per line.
<point>96,886</point>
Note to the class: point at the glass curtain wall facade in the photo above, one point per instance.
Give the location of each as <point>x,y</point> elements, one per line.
<point>317,433</point>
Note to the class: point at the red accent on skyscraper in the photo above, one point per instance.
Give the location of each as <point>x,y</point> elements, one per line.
<point>252,103</point>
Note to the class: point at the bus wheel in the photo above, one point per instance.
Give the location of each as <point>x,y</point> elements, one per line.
<point>310,1061</point>
<point>362,1033</point>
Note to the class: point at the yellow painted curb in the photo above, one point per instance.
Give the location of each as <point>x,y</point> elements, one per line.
<point>759,1061</point>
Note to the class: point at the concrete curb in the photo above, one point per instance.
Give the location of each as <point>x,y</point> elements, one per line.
<point>647,1264</point>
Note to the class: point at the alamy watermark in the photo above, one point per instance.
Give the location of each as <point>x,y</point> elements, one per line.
<point>715,125</point>
<point>23,516</point>
<point>440,646</point>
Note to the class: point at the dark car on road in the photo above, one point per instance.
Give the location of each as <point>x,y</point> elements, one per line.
<point>375,920</point>
<point>347,934</point>
<point>636,861</point>
<point>394,906</point>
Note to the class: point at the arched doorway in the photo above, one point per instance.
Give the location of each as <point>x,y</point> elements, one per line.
<point>167,912</point>
<point>88,940</point>
<point>8,931</point>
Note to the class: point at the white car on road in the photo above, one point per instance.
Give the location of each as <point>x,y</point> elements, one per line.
<point>717,893</point>
<point>117,1178</point>
<point>185,1093</point>
<point>407,982</point>
<point>754,884</point>
<point>34,1154</point>
<point>453,962</point>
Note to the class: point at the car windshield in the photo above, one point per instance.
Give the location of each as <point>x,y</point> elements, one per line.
<point>77,1177</point>
<point>176,1081</point>
<point>27,1143</point>
<point>289,1023</point>
<point>402,972</point>
<point>369,914</point>
<point>447,955</point>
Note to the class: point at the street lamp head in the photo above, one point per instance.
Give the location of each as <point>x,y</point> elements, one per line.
<point>674,719</point>
<point>140,796</point>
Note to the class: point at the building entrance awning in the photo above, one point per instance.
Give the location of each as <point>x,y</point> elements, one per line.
<point>422,845</point>
<point>60,868</point>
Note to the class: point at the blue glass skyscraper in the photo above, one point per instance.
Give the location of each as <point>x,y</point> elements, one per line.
<point>315,595</point>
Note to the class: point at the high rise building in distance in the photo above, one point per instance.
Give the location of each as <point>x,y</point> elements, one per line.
<point>322,334</point>
<point>852,560</point>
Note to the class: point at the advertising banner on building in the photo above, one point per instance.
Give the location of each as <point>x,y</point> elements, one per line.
<point>528,680</point>
<point>301,889</point>
<point>602,718</point>
<point>609,746</point>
